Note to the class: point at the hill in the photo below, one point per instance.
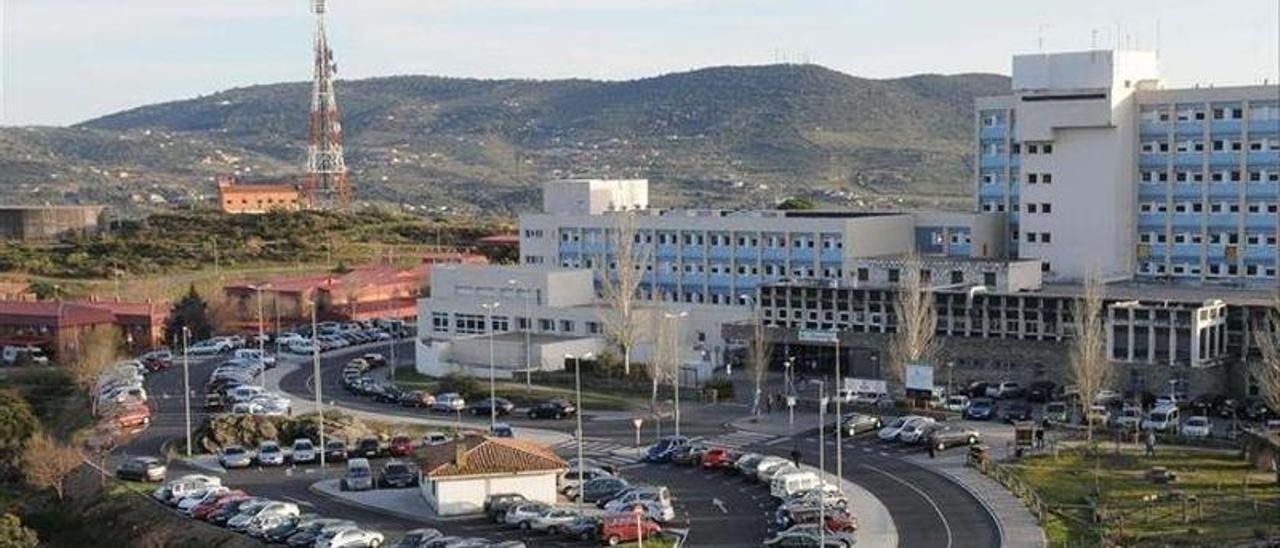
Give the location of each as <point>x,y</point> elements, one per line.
<point>716,136</point>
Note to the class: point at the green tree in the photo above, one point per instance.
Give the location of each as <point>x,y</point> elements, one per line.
<point>15,535</point>
<point>47,291</point>
<point>192,312</point>
<point>17,424</point>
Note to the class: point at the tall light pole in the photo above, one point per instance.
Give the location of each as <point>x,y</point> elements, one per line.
<point>839,418</point>
<point>262,344</point>
<point>528,328</point>
<point>675,358</point>
<point>577,388</point>
<point>822,458</point>
<point>791,395</point>
<point>493,393</point>
<point>755,311</point>
<point>315,374</point>
<point>186,386</point>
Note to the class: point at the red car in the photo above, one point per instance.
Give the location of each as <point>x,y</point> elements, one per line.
<point>134,416</point>
<point>616,529</point>
<point>401,446</point>
<point>717,458</point>
<point>203,509</point>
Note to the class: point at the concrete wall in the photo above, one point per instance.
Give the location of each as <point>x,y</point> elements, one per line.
<point>44,223</point>
<point>466,496</point>
<point>594,196</point>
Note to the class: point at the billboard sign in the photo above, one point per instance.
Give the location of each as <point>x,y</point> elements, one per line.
<point>866,386</point>
<point>818,336</point>
<point>920,377</point>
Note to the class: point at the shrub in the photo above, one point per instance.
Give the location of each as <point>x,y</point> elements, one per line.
<point>723,387</point>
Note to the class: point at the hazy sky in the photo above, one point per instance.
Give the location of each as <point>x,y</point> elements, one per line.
<point>64,61</point>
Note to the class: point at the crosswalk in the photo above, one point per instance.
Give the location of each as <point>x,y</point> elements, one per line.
<point>739,439</point>
<point>624,455</point>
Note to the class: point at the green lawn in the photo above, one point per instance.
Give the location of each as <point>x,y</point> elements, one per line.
<point>521,395</point>
<point>1224,485</point>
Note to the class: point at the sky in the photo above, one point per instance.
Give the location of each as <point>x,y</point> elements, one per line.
<point>66,61</point>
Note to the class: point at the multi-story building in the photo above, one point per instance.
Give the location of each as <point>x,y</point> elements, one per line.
<point>1100,168</point>
<point>256,198</point>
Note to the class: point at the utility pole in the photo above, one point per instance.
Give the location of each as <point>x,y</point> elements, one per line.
<point>822,459</point>
<point>839,420</point>
<point>317,380</point>
<point>186,387</point>
<point>528,328</point>
<point>493,393</point>
<point>675,360</point>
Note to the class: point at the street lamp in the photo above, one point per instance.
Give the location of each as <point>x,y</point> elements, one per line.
<point>755,317</point>
<point>528,328</point>
<point>318,382</point>
<point>186,386</point>
<point>675,357</point>
<point>822,458</point>
<point>791,394</point>
<point>262,350</point>
<point>493,395</point>
<point>577,386</point>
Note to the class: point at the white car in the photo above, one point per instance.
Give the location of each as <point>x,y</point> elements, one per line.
<point>957,403</point>
<point>351,538</point>
<point>189,502</point>
<point>234,456</point>
<point>552,520</point>
<point>912,431</point>
<point>302,346</point>
<point>270,454</point>
<point>1161,419</point>
<point>1129,418</point>
<point>1197,427</point>
<point>1002,390</point>
<point>252,355</point>
<point>209,348</point>
<point>866,398</point>
<point>435,438</point>
<point>1106,397</point>
<point>303,451</point>
<point>769,463</point>
<point>894,429</point>
<point>178,489</point>
<point>766,476</point>
<point>449,402</point>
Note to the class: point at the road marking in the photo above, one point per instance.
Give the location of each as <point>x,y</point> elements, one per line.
<point>720,504</point>
<point>945,525</point>
<point>778,441</point>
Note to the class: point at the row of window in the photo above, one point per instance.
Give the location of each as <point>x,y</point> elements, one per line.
<point>1214,207</point>
<point>1038,237</point>
<point>1156,146</point>
<point>715,240</point>
<point>1192,114</point>
<point>1042,178</point>
<point>1214,238</point>
<point>1042,208</point>
<point>1212,269</point>
<point>1219,176</point>
<point>474,324</point>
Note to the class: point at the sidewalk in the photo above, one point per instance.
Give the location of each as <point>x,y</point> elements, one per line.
<point>402,503</point>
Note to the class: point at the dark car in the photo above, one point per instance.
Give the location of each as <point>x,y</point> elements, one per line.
<point>369,448</point>
<point>1041,391</point>
<point>282,532</point>
<point>1016,411</point>
<point>1230,408</point>
<point>496,506</point>
<point>335,450</point>
<point>417,398</point>
<point>689,454</point>
<point>385,392</point>
<point>603,489</point>
<point>584,528</point>
<point>980,410</point>
<point>374,360</point>
<point>484,406</point>
<point>857,423</point>
<point>141,469</point>
<point>665,448</point>
<point>977,389</point>
<point>1206,404</point>
<point>221,516</point>
<point>1255,410</point>
<point>398,473</point>
<point>554,409</point>
<point>945,436</point>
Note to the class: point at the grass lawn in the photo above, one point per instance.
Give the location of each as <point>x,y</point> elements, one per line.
<point>1216,478</point>
<point>521,396</point>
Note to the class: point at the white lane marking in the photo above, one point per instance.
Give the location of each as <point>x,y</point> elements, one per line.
<point>720,504</point>
<point>776,442</point>
<point>946,525</point>
<point>299,502</point>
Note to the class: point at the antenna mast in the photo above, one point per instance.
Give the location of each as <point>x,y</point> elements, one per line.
<point>326,180</point>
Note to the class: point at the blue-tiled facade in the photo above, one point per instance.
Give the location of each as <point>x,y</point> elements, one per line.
<point>999,159</point>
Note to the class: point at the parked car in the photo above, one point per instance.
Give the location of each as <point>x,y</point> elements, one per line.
<point>893,430</point>
<point>401,446</point>
<point>1161,419</point>
<point>359,476</point>
<point>746,464</point>
<point>398,473</point>
<point>618,528</point>
<point>554,409</point>
<point>916,431</point>
<point>303,451</point>
<point>576,474</point>
<point>1197,427</point>
<point>634,496</point>
<point>1041,391</point>
<point>1099,414</point>
<point>1004,390</point>
<point>690,454</point>
<point>977,389</point>
<point>1056,411</point>
<point>234,456</point>
<point>599,488</point>
<point>947,435</point>
<point>518,514</point>
<point>980,410</point>
<point>434,438</point>
<point>717,458</point>
<point>772,466</point>
<point>957,403</point>
<point>808,535</point>
<point>374,360</point>
<point>502,430</point>
<point>496,506</point>
<point>335,450</point>
<point>352,537</point>
<point>1129,417</point>
<point>1107,397</point>
<point>270,454</point>
<point>417,398</point>
<point>500,406</point>
<point>1016,411</point>
<point>551,520</point>
<point>417,538</point>
<point>449,402</point>
<point>208,348</point>
<point>141,469</point>
<point>368,448</point>
<point>858,423</point>
<point>662,451</point>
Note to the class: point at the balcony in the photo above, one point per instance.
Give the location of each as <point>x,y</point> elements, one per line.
<point>1188,159</point>
<point>1224,190</point>
<point>1261,127</point>
<point>694,252</point>
<point>1259,252</point>
<point>993,161</point>
<point>1223,220</point>
<point>1186,191</point>
<point>1186,251</point>
<point>1185,220</point>
<point>802,254</point>
<point>719,252</point>
<point>1149,221</point>
<point>1151,191</point>
<point>1150,130</point>
<point>1262,190</point>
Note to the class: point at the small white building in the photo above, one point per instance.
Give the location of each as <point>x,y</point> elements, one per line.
<point>458,476</point>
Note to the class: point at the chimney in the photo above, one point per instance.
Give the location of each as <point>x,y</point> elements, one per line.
<point>460,453</point>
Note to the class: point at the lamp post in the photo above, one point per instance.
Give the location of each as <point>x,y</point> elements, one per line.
<point>951,364</point>
<point>262,350</point>
<point>577,387</point>
<point>839,418</point>
<point>675,359</point>
<point>791,395</point>
<point>755,317</point>
<point>822,458</point>
<point>493,394</point>
<point>186,386</point>
<point>315,374</point>
<point>528,328</point>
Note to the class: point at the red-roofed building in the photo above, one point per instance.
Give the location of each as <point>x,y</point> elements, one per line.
<point>59,326</point>
<point>459,475</point>
<point>366,292</point>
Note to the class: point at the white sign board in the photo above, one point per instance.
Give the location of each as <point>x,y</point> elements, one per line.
<point>919,377</point>
<point>866,386</point>
<point>814,335</point>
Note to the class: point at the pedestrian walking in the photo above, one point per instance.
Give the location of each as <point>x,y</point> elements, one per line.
<point>1040,438</point>
<point>795,455</point>
<point>1151,443</point>
<point>932,450</point>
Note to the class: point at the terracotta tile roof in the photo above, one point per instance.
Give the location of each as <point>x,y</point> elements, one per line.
<point>477,455</point>
<point>52,314</point>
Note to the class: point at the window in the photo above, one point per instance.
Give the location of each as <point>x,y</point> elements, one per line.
<point>1031,237</point>
<point>1031,208</point>
<point>1032,178</point>
<point>468,324</point>
<point>957,276</point>
<point>501,324</point>
<point>546,325</point>
<point>893,275</point>
<point>566,326</point>
<point>440,322</point>
<point>1046,208</point>
<point>863,274</point>
<point>989,278</point>
<point>1046,149</point>
<point>1046,178</point>
<point>1032,148</point>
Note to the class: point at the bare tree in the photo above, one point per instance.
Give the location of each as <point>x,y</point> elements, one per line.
<point>48,463</point>
<point>915,336</point>
<point>664,359</point>
<point>1266,372</point>
<point>1090,368</point>
<point>758,354</point>
<point>98,349</point>
<point>620,275</point>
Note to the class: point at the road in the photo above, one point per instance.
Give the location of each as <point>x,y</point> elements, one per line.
<point>927,509</point>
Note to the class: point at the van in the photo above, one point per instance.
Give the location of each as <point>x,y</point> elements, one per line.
<point>1162,419</point>
<point>14,353</point>
<point>789,484</point>
<point>359,476</point>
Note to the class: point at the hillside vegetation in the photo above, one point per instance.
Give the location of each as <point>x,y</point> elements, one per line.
<point>716,136</point>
